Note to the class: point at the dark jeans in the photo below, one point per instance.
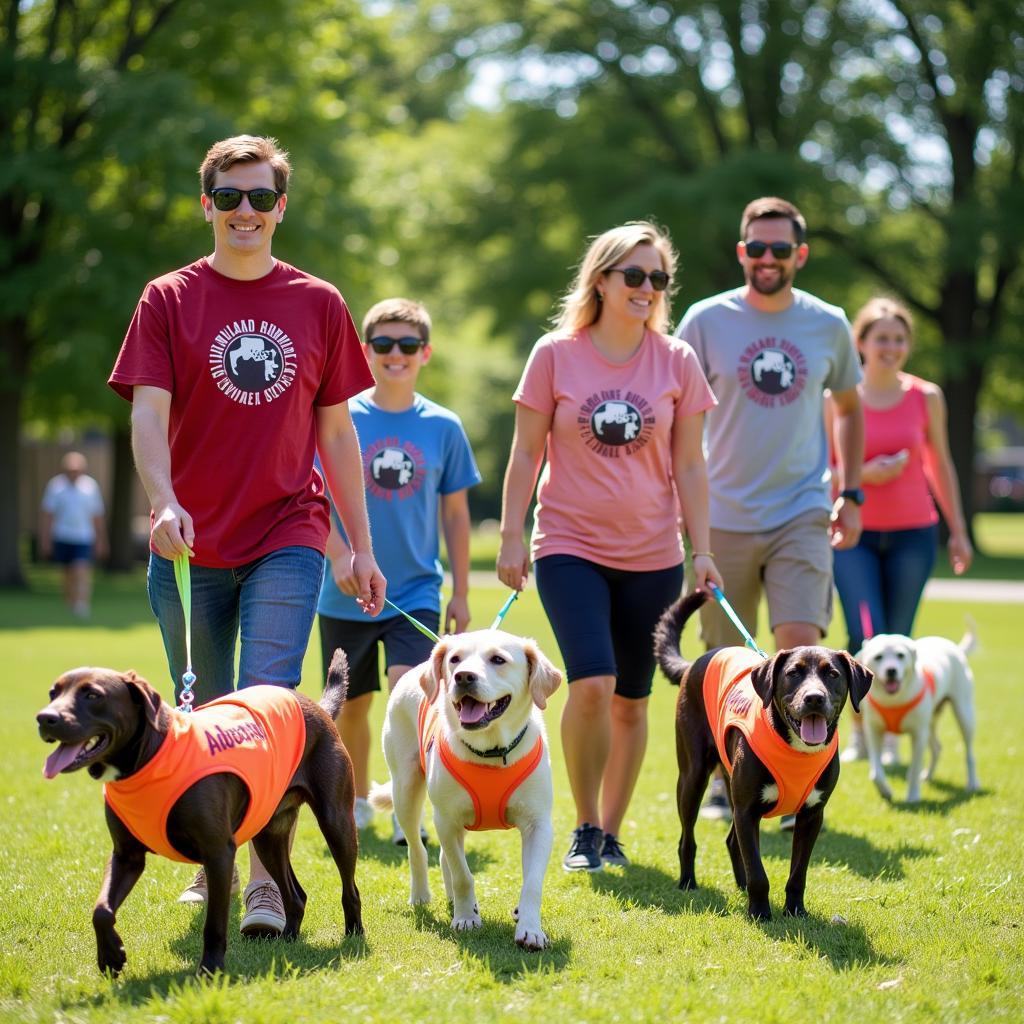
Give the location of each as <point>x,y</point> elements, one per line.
<point>886,572</point>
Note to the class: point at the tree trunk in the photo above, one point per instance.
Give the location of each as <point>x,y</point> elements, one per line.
<point>14,348</point>
<point>122,553</point>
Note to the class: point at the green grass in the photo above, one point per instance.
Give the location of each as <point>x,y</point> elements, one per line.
<point>915,913</point>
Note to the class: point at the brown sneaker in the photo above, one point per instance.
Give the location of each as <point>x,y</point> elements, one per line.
<point>264,910</point>
<point>196,892</point>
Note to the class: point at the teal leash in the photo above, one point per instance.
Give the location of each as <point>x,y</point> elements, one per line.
<point>416,622</point>
<point>504,609</point>
<point>728,609</point>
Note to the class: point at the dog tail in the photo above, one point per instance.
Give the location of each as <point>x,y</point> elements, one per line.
<point>336,687</point>
<point>667,633</point>
<point>380,796</point>
<point>969,641</point>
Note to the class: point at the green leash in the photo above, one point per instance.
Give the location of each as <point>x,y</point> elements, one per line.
<point>183,578</point>
<point>419,625</point>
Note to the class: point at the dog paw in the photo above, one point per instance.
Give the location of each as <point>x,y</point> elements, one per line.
<point>111,958</point>
<point>795,910</point>
<point>418,897</point>
<point>467,922</point>
<point>515,916</point>
<point>531,938</point>
<point>759,912</point>
<point>688,884</point>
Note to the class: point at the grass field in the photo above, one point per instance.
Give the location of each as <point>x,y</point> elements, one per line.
<point>915,913</point>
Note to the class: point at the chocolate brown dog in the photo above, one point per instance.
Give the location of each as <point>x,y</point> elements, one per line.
<point>797,697</point>
<point>114,724</point>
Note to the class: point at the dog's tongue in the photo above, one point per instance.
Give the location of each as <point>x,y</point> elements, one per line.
<point>61,758</point>
<point>471,711</point>
<point>813,729</point>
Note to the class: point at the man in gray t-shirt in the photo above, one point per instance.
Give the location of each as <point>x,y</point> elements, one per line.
<point>769,352</point>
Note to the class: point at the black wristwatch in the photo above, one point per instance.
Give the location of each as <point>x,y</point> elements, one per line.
<point>854,494</point>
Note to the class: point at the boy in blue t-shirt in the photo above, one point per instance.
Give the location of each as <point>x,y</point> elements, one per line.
<point>416,462</point>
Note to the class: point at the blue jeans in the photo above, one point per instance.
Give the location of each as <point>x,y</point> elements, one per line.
<point>273,599</point>
<point>887,570</point>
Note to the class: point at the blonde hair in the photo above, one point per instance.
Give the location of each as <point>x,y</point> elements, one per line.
<point>397,310</point>
<point>581,306</point>
<point>881,308</point>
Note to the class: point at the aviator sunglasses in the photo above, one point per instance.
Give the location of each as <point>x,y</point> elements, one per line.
<point>635,277</point>
<point>780,250</point>
<point>262,200</point>
<point>408,345</point>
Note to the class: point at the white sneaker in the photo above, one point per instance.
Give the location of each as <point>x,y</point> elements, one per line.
<point>264,910</point>
<point>398,836</point>
<point>856,750</point>
<point>364,812</point>
<point>890,749</point>
<point>197,892</point>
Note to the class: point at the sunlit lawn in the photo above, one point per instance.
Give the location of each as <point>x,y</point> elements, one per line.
<point>915,913</point>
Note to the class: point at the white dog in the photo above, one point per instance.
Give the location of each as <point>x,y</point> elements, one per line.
<point>466,727</point>
<point>912,679</point>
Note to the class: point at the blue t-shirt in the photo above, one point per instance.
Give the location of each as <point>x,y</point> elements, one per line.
<point>410,459</point>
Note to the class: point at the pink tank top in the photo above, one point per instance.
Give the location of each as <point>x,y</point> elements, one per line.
<point>904,503</point>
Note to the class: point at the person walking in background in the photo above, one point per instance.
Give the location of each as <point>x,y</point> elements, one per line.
<point>239,367</point>
<point>417,466</point>
<point>907,463</point>
<point>618,407</point>
<point>770,351</point>
<point>73,531</point>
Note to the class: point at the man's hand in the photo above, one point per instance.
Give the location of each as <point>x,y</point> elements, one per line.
<point>844,524</point>
<point>173,533</point>
<point>370,583</point>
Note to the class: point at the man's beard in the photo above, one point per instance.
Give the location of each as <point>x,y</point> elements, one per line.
<point>781,280</point>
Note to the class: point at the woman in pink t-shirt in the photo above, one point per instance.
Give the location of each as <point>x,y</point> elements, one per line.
<point>617,406</point>
<point>907,463</point>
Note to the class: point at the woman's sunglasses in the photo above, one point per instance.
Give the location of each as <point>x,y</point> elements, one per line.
<point>262,200</point>
<point>635,277</point>
<point>780,250</point>
<point>408,345</point>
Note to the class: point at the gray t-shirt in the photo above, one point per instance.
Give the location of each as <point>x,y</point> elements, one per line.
<point>765,441</point>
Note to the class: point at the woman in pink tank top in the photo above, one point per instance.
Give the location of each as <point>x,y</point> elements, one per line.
<point>907,471</point>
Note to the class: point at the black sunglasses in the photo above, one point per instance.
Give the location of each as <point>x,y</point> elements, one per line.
<point>780,250</point>
<point>635,277</point>
<point>408,345</point>
<point>262,200</point>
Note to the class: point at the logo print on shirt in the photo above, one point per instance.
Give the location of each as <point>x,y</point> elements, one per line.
<point>393,468</point>
<point>772,372</point>
<point>613,424</point>
<point>251,364</point>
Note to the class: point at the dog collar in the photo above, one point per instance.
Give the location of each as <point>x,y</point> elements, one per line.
<point>501,752</point>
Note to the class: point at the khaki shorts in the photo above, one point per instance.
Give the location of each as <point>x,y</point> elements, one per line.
<point>793,566</point>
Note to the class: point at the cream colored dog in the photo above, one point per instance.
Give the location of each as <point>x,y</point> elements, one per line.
<point>484,765</point>
<point>912,680</point>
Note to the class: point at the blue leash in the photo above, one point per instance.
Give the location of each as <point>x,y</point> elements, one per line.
<point>504,609</point>
<point>728,609</point>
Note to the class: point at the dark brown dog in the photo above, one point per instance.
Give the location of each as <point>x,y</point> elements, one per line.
<point>796,684</point>
<point>122,722</point>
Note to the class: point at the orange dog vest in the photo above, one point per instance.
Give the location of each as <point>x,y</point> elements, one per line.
<point>893,715</point>
<point>490,787</point>
<point>257,734</point>
<point>731,702</point>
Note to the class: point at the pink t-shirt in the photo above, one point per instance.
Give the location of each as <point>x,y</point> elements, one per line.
<point>606,492</point>
<point>247,363</point>
<point>904,503</point>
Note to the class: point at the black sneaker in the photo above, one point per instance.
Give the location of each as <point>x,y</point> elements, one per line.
<point>585,852</point>
<point>612,851</point>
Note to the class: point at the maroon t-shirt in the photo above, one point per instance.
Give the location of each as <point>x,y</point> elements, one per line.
<point>246,363</point>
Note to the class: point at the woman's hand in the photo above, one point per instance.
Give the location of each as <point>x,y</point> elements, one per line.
<point>883,468</point>
<point>705,572</point>
<point>961,554</point>
<point>513,563</point>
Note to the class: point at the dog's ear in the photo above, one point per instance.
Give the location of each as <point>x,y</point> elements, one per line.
<point>544,677</point>
<point>432,676</point>
<point>764,677</point>
<point>144,695</point>
<point>859,677</point>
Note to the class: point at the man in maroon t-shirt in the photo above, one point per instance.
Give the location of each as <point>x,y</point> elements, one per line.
<point>239,367</point>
